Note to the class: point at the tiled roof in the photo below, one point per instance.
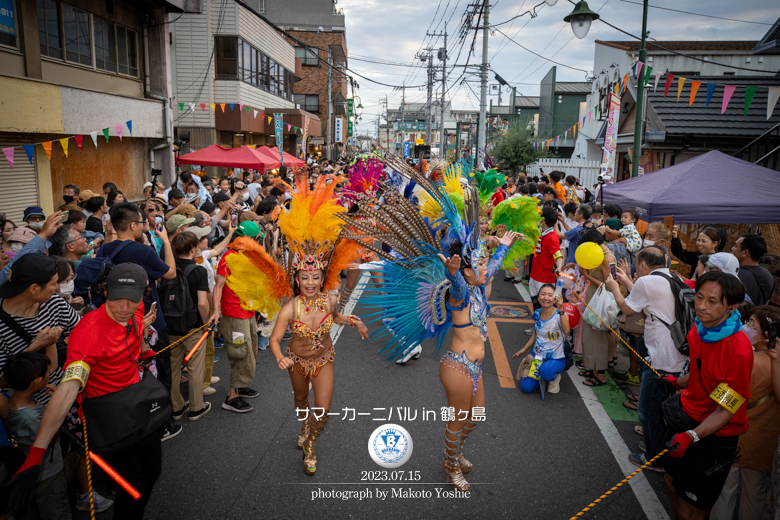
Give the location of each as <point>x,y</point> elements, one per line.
<point>527,101</point>
<point>680,118</point>
<point>633,45</point>
<point>572,87</point>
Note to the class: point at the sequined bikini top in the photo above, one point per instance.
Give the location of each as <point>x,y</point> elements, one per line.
<point>303,331</point>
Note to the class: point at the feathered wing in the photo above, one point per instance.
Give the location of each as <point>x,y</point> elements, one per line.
<point>258,281</point>
<point>522,215</point>
<point>345,255</point>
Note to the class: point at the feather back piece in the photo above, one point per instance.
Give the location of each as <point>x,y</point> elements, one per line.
<point>522,215</point>
<point>258,281</point>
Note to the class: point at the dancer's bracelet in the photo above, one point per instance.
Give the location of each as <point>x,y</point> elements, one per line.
<point>352,321</point>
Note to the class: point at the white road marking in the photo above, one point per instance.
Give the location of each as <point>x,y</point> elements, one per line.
<point>524,294</point>
<point>335,331</point>
<point>645,494</point>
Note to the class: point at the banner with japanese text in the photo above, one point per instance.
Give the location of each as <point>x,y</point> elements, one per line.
<point>610,140</point>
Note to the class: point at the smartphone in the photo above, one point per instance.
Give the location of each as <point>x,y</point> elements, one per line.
<point>65,216</point>
<point>158,221</point>
<point>234,217</point>
<point>772,334</point>
<point>153,307</point>
<point>613,270</point>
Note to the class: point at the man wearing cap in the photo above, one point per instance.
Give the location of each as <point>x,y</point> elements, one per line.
<point>102,354</point>
<point>177,224</point>
<point>254,187</point>
<point>32,315</point>
<point>36,244</point>
<point>129,225</point>
<point>235,323</point>
<point>148,190</point>
<point>725,262</point>
<point>176,199</point>
<point>225,204</point>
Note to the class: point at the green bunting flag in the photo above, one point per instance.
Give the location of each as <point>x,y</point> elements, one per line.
<point>105,133</point>
<point>749,93</point>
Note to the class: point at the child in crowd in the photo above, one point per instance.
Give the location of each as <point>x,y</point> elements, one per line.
<point>551,325</point>
<point>27,373</point>
<point>628,232</point>
<point>191,194</point>
<point>596,216</point>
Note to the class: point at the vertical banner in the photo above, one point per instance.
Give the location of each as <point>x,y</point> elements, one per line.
<point>279,139</point>
<point>340,130</point>
<point>305,134</point>
<point>407,147</point>
<point>610,140</point>
<point>350,114</point>
<point>7,15</point>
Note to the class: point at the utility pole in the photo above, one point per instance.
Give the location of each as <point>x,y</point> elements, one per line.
<point>423,57</point>
<point>640,87</point>
<point>330,107</point>
<point>443,58</point>
<point>403,115</point>
<point>483,93</point>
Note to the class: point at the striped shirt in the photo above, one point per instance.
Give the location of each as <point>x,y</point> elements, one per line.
<point>54,313</point>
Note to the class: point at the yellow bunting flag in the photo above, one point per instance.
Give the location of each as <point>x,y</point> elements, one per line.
<point>694,89</point>
<point>680,83</point>
<point>213,107</point>
<point>47,149</point>
<point>64,143</point>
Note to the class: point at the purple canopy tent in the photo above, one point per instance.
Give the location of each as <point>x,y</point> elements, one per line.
<point>713,187</point>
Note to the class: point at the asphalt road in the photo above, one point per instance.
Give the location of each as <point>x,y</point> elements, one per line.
<point>532,458</point>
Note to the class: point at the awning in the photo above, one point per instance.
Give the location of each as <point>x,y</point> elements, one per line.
<point>244,157</point>
<point>272,154</point>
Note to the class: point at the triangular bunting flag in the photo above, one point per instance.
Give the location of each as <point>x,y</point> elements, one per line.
<point>589,114</point>
<point>119,131</point>
<point>710,91</point>
<point>240,106</point>
<point>617,87</point>
<point>9,154</point>
<point>181,107</point>
<point>203,106</point>
<point>255,114</point>
<point>639,70</point>
<point>213,107</point>
<point>771,100</point>
<point>64,144</point>
<point>289,127</point>
<point>248,109</point>
<point>270,119</point>
<point>222,106</point>
<point>579,125</point>
<point>29,149</point>
<point>680,83</point>
<point>669,79</point>
<point>694,89</point>
<point>749,93</point>
<point>648,70</point>
<point>625,80</point>
<point>231,106</point>
<point>129,125</point>
<point>657,77</point>
<point>47,149</point>
<point>105,133</point>
<point>727,93</point>
<point>93,135</point>
<point>79,139</point>
<point>295,129</point>
<point>192,107</point>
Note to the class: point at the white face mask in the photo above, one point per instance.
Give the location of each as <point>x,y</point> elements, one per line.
<point>35,225</point>
<point>16,246</point>
<point>66,287</point>
<point>648,243</point>
<point>751,333</point>
<point>245,197</point>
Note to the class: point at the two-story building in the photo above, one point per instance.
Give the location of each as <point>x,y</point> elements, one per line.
<point>74,76</point>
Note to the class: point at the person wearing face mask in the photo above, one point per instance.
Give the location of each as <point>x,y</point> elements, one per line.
<point>66,271</point>
<point>710,410</point>
<point>36,243</point>
<point>243,202</point>
<point>70,194</point>
<point>20,238</point>
<point>34,218</point>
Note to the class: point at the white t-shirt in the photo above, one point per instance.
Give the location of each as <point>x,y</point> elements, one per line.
<point>253,189</point>
<point>653,295</point>
<point>209,268</point>
<point>549,337</point>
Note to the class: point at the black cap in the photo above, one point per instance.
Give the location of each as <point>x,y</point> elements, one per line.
<point>207,207</point>
<point>127,281</point>
<point>32,268</point>
<point>175,193</point>
<point>220,197</point>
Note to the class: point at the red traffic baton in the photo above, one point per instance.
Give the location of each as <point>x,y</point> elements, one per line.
<point>200,342</point>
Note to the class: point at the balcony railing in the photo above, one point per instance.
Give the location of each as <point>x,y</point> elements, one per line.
<point>338,11</point>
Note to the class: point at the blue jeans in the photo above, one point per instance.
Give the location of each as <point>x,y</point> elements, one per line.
<point>651,395</point>
<point>262,341</point>
<point>548,371</point>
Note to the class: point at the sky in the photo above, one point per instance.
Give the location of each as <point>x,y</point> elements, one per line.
<point>395,32</point>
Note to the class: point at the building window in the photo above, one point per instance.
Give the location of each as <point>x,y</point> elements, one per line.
<point>105,44</point>
<point>246,61</point>
<point>273,77</point>
<point>308,102</point>
<point>262,80</point>
<point>127,51</point>
<point>49,29</point>
<point>227,57</point>
<point>78,48</point>
<point>307,56</point>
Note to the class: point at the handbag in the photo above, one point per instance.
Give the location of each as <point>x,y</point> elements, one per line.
<point>120,419</point>
<point>602,307</point>
<point>633,324</point>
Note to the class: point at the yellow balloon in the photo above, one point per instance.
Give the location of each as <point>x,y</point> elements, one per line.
<point>589,255</point>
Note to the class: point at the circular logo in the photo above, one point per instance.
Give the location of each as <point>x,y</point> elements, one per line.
<point>390,446</point>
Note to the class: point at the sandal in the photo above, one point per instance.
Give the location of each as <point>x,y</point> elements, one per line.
<point>611,363</point>
<point>580,364</point>
<point>588,374</point>
<point>183,380</point>
<point>594,381</point>
<point>631,405</point>
<point>632,397</point>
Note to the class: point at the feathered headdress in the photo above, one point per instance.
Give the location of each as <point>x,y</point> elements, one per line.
<point>365,177</point>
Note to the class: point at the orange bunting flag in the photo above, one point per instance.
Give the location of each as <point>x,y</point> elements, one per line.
<point>47,149</point>
<point>222,106</point>
<point>625,80</point>
<point>64,143</point>
<point>694,89</point>
<point>680,83</point>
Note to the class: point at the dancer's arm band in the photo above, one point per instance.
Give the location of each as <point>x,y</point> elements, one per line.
<point>727,397</point>
<point>78,370</point>
<point>459,289</point>
<point>352,321</point>
<point>494,264</point>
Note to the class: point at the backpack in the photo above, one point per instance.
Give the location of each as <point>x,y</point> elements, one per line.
<point>684,313</point>
<point>91,272</point>
<point>179,309</point>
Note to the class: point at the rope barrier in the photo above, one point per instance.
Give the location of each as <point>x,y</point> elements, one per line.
<point>615,488</point>
<point>89,466</point>
<point>182,339</point>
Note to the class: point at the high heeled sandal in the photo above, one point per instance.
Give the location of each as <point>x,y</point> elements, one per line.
<point>309,455</point>
<point>465,465</point>
<point>302,405</point>
<point>452,465</point>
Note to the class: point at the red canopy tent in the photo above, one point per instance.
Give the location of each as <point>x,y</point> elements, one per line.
<point>273,153</point>
<point>244,157</point>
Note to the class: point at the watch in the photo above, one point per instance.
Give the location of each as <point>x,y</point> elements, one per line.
<point>694,435</point>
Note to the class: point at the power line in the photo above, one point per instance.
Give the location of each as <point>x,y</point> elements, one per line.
<point>539,55</point>
<point>696,14</point>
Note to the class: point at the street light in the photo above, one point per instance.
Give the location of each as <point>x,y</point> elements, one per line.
<point>551,2</point>
<point>581,18</point>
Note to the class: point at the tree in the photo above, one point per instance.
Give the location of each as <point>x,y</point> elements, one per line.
<point>514,150</point>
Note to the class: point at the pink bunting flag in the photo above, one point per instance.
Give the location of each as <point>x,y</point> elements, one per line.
<point>241,106</point>
<point>9,154</point>
<point>727,93</point>
<point>79,139</point>
<point>638,68</point>
<point>119,131</point>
